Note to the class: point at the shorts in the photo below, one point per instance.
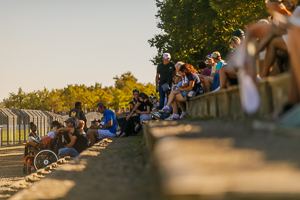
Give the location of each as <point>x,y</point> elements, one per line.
<point>104,134</point>
<point>210,79</point>
<point>183,93</point>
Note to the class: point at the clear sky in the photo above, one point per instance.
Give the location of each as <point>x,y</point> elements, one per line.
<point>53,43</point>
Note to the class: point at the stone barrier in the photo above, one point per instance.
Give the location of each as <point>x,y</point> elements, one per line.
<point>227,103</point>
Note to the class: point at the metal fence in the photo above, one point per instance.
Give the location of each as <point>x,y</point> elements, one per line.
<point>14,124</point>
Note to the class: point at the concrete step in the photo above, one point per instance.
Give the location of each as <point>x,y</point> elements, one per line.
<point>227,104</point>
<point>224,160</point>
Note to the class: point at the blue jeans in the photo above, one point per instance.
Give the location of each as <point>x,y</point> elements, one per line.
<point>67,152</point>
<point>162,96</point>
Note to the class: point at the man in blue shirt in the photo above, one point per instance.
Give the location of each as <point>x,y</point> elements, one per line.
<point>108,129</point>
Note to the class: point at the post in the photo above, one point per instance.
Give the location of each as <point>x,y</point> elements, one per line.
<point>0,136</point>
<point>20,120</point>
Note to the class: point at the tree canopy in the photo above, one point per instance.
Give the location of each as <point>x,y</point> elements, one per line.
<point>65,99</point>
<point>191,29</point>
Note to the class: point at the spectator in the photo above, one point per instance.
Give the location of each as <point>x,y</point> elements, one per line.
<point>69,129</point>
<point>290,6</point>
<point>135,93</point>
<point>78,143</point>
<point>78,113</point>
<point>278,42</point>
<point>191,82</point>
<point>33,130</point>
<point>228,76</point>
<point>165,72</point>
<point>108,129</point>
<point>240,34</point>
<point>208,81</point>
<point>205,70</point>
<point>294,46</point>
<point>178,65</point>
<point>143,108</point>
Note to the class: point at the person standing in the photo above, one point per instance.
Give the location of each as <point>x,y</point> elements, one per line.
<point>78,113</point>
<point>165,72</point>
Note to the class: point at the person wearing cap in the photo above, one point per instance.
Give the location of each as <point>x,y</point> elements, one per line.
<point>165,72</point>
<point>208,81</point>
<point>178,65</point>
<point>78,142</point>
<point>108,129</point>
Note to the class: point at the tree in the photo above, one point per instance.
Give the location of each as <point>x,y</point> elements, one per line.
<point>191,29</point>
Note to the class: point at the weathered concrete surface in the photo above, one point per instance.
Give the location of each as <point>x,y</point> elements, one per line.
<point>227,104</point>
<point>225,160</point>
<point>116,169</point>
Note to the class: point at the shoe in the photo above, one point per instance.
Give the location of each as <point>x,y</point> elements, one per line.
<point>156,115</point>
<point>183,116</point>
<point>165,110</point>
<point>172,118</point>
<point>217,89</point>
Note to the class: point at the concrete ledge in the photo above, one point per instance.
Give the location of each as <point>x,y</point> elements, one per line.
<point>227,104</point>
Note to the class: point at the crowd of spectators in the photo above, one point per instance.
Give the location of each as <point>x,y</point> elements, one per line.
<point>214,73</point>
<point>177,83</point>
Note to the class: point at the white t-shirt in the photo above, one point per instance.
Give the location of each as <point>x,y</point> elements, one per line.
<point>185,80</point>
<point>213,68</point>
<point>51,134</point>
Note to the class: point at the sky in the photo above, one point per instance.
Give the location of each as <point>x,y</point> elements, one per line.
<point>56,43</point>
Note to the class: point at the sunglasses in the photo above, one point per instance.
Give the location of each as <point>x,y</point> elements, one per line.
<point>135,90</point>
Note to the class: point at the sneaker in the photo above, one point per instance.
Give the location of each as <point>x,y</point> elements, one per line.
<point>172,118</point>
<point>217,89</point>
<point>183,116</point>
<point>156,115</point>
<point>165,110</point>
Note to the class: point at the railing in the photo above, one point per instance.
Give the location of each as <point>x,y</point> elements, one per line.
<point>14,123</point>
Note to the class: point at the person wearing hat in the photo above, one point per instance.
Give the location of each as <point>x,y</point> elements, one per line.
<point>165,72</point>
<point>78,142</point>
<point>109,128</point>
<point>208,81</point>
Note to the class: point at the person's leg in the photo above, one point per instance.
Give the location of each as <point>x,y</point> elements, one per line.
<point>105,133</point>
<point>207,84</point>
<point>67,152</point>
<point>294,47</point>
<point>276,43</point>
<point>129,129</point>
<point>175,107</point>
<point>181,102</point>
<point>93,133</point>
<point>223,78</point>
<point>172,96</point>
<point>161,97</point>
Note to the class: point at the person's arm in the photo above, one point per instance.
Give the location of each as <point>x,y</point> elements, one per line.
<point>73,140</point>
<point>71,130</point>
<point>156,80</point>
<point>145,112</point>
<point>133,110</point>
<point>189,88</point>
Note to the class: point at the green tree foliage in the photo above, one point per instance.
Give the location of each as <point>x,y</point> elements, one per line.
<point>191,29</point>
<point>64,99</point>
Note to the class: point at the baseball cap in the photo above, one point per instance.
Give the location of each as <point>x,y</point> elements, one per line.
<point>179,64</point>
<point>167,56</point>
<point>208,56</point>
<point>216,55</point>
<point>70,119</point>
